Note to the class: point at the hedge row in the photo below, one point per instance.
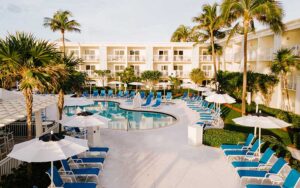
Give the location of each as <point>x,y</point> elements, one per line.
<point>217,137</point>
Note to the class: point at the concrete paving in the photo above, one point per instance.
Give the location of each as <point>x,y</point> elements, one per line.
<point>162,158</point>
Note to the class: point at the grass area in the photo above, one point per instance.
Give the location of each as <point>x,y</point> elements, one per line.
<point>229,114</point>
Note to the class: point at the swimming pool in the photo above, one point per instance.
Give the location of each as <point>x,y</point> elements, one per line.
<point>119,118</point>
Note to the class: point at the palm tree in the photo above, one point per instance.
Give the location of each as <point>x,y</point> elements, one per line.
<point>102,74</point>
<point>61,22</point>
<point>33,63</point>
<point>197,76</point>
<point>243,13</point>
<point>182,34</point>
<point>209,28</point>
<point>283,64</point>
<point>151,77</point>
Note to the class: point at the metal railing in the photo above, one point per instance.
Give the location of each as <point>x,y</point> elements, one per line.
<point>205,58</point>
<point>136,58</point>
<point>161,58</point>
<point>116,58</point>
<point>181,58</point>
<point>20,128</point>
<point>266,54</point>
<point>88,57</point>
<point>7,165</point>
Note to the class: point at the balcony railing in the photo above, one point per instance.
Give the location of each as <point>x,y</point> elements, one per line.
<point>116,58</point>
<point>161,58</point>
<point>266,54</point>
<point>181,58</point>
<point>205,58</point>
<point>182,74</point>
<point>252,55</point>
<point>208,74</point>
<point>90,57</point>
<point>291,83</point>
<point>90,73</point>
<point>136,58</point>
<point>164,73</point>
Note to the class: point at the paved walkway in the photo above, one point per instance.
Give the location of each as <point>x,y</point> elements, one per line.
<point>161,158</point>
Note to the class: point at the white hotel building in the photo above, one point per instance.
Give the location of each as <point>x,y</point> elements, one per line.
<point>178,59</point>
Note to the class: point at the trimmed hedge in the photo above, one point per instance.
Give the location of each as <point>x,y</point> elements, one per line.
<point>217,137</point>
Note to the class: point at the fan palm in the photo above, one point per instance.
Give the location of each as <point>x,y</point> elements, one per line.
<point>243,13</point>
<point>209,28</point>
<point>284,63</point>
<point>33,63</point>
<point>182,34</point>
<point>61,22</point>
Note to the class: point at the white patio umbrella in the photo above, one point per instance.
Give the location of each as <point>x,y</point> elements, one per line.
<point>261,122</point>
<point>187,85</point>
<point>164,85</point>
<point>208,93</point>
<point>48,148</point>
<point>220,98</point>
<point>136,84</point>
<point>199,88</point>
<point>115,83</point>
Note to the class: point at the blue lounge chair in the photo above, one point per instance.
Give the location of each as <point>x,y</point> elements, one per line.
<point>85,94</point>
<point>58,182</point>
<point>157,103</point>
<point>148,101</point>
<point>99,149</point>
<point>120,94</point>
<point>132,94</point>
<point>89,160</point>
<point>245,152</point>
<point>184,96</point>
<point>158,94</point>
<point>264,160</point>
<point>151,94</point>
<point>276,168</point>
<point>110,93</point>
<point>246,144</point>
<point>142,93</point>
<point>87,172</point>
<point>169,96</point>
<point>102,93</point>
<point>126,94</point>
<point>95,93</point>
<point>290,181</point>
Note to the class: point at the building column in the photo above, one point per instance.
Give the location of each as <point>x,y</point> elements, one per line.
<point>38,123</point>
<point>297,99</point>
<point>277,42</point>
<point>126,56</point>
<point>195,57</point>
<point>149,57</point>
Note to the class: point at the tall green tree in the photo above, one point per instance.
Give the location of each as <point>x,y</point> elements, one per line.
<point>210,26</point>
<point>197,76</point>
<point>127,75</point>
<point>243,14</point>
<point>61,22</point>
<point>175,81</point>
<point>103,74</point>
<point>284,63</point>
<point>32,62</point>
<point>182,34</point>
<point>151,77</point>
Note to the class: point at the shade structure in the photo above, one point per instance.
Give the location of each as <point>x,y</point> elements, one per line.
<point>40,150</point>
<point>208,93</point>
<point>78,102</point>
<point>220,98</point>
<point>136,84</point>
<point>83,122</point>
<point>261,122</point>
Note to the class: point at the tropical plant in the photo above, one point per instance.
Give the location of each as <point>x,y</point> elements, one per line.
<point>175,81</point>
<point>61,22</point>
<point>151,77</point>
<point>127,75</point>
<point>210,27</point>
<point>197,76</point>
<point>182,34</point>
<point>34,63</point>
<point>243,13</point>
<point>103,74</point>
<point>284,63</point>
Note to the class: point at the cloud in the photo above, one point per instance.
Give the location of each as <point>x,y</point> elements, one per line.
<point>14,8</point>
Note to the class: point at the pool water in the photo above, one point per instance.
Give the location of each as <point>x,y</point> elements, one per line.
<point>124,119</point>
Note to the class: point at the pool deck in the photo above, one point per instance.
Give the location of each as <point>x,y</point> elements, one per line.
<point>162,158</point>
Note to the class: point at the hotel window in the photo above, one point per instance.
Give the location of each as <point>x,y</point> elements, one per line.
<point>136,69</point>
<point>119,68</point>
<point>134,52</point>
<point>207,69</point>
<point>163,55</point>
<point>90,67</point>
<point>178,52</point>
<point>89,52</point>
<point>178,55</point>
<point>119,52</point>
<point>178,67</point>
<point>134,55</point>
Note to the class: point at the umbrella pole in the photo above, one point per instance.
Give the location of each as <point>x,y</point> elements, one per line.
<point>51,174</point>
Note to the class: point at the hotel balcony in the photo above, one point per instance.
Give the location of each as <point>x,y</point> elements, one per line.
<point>208,74</point>
<point>161,58</point>
<point>90,57</point>
<point>291,83</point>
<point>164,73</point>
<point>90,73</point>
<point>266,54</point>
<point>205,58</point>
<point>116,58</point>
<point>135,58</point>
<point>181,58</point>
<point>182,74</point>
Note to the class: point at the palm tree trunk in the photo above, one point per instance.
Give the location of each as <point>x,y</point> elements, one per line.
<point>29,101</point>
<point>287,92</point>
<point>63,43</point>
<point>245,69</point>
<point>60,103</point>
<point>214,57</point>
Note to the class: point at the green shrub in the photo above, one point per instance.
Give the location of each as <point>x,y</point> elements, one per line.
<point>217,137</point>
<point>297,139</point>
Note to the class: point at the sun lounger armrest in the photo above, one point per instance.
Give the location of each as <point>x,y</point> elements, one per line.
<point>78,161</point>
<point>249,153</point>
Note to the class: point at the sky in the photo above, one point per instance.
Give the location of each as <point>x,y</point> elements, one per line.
<point>110,20</point>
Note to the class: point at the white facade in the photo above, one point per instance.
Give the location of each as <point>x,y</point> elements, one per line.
<point>178,59</point>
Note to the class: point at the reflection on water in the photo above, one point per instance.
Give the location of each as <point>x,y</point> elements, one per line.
<point>124,119</point>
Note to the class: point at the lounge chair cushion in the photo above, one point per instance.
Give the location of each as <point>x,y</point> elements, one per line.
<point>99,149</point>
<point>241,164</point>
<point>80,185</point>
<point>86,171</point>
<point>90,159</point>
<point>262,186</point>
<point>235,152</point>
<point>233,147</point>
<point>252,173</point>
